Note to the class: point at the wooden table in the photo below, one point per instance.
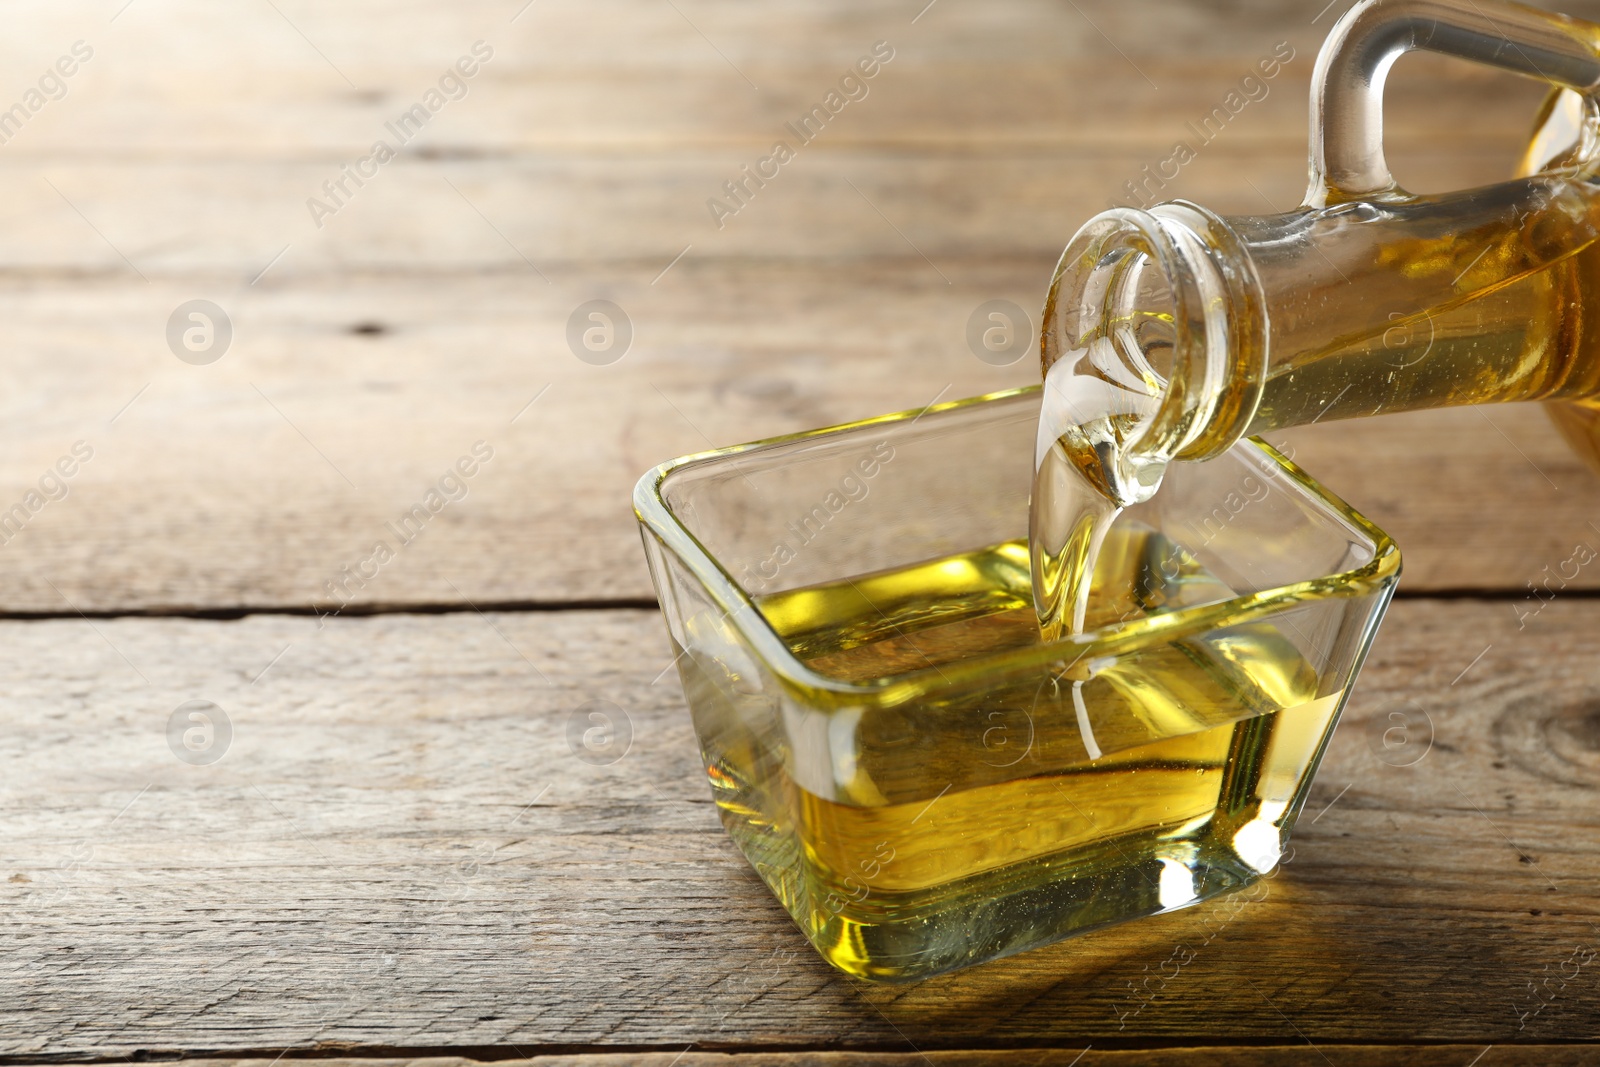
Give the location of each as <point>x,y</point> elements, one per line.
<point>397,855</point>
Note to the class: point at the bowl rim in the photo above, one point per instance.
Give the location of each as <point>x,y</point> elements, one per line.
<point>1378,575</point>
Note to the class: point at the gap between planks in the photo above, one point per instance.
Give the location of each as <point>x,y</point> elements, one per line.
<point>244,611</point>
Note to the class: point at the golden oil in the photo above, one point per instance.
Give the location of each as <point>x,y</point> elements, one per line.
<point>1001,817</point>
<point>1512,324</point>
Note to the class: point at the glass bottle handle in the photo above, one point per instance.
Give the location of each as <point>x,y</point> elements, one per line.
<point>1347,87</point>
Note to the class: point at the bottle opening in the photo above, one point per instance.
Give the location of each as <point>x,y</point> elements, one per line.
<point>1143,318</point>
<point>1141,349</point>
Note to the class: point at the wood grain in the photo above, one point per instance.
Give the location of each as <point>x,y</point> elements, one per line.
<point>1221,1056</point>
<point>399,850</point>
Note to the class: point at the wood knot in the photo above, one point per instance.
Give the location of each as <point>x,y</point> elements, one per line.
<point>1582,728</point>
<point>1555,741</point>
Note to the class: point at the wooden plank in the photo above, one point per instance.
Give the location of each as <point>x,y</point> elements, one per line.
<point>149,220</point>
<point>223,486</point>
<point>261,107</point>
<point>559,77</point>
<point>574,160</point>
<point>1204,1056</point>
<point>399,850</point>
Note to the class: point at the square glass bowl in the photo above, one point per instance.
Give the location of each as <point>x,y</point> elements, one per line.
<point>921,780</point>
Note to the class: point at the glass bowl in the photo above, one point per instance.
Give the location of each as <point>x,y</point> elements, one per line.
<point>924,783</point>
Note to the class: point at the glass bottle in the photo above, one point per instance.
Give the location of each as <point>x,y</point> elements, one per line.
<point>1194,330</point>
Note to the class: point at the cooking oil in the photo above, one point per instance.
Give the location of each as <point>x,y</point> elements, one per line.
<point>1172,333</point>
<point>1351,310</point>
<point>1510,323</point>
<point>1005,816</point>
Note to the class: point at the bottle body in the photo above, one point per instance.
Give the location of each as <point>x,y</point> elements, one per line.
<point>1558,136</point>
<point>1475,298</point>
